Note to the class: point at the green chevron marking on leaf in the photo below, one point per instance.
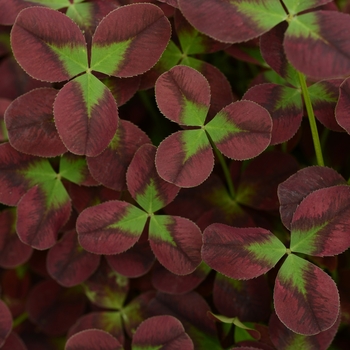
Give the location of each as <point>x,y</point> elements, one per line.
<point>220,127</point>
<point>291,273</point>
<point>265,14</point>
<point>193,113</point>
<point>92,90</point>
<point>73,169</point>
<point>150,199</point>
<point>158,228</point>
<point>82,14</point>
<point>54,4</point>
<point>305,26</point>
<point>193,142</point>
<point>107,59</point>
<point>132,222</point>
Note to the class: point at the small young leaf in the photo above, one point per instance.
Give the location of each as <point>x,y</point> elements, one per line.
<point>241,253</point>
<point>144,184</point>
<point>306,299</point>
<point>57,46</point>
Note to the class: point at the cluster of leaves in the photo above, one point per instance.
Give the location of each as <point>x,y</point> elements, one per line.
<point>162,179</point>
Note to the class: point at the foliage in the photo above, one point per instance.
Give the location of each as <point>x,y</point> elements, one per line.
<point>173,174</point>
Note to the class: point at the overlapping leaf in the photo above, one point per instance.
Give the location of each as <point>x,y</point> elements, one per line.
<point>292,191</point>
<point>30,124</point>
<point>241,130</point>
<point>159,332</point>
<point>320,223</point>
<point>5,322</point>
<point>219,19</point>
<point>241,253</point>
<point>306,299</point>
<point>343,106</point>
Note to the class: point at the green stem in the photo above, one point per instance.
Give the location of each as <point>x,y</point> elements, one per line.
<point>18,320</point>
<point>312,120</point>
<point>225,169</point>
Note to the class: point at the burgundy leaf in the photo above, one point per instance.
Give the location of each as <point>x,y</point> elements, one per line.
<point>292,191</point>
<point>86,115</point>
<point>283,338</point>
<point>343,106</point>
<point>54,309</point>
<point>232,21</point>
<point>185,158</point>
<point>241,253</point>
<point>144,184</point>
<point>57,46</point>
<point>164,332</point>
<point>319,34</point>
<point>10,9</point>
<point>30,124</point>
<point>176,242</point>
<point>111,227</point>
<point>4,103</point>
<point>12,251</point>
<point>5,322</point>
<point>306,299</point>
<point>92,339</point>
<point>241,130</point>
<point>183,95</point>
<point>13,185</point>
<point>68,263</point>
<point>39,221</point>
<point>321,221</point>
<point>284,105</point>
<point>125,35</point>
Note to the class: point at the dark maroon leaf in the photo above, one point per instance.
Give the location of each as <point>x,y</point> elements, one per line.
<point>11,8</point>
<point>191,310</point>
<point>106,288</point>
<point>167,282</point>
<point>164,332</point>
<point>68,263</point>
<point>38,222</point>
<point>5,322</point>
<point>144,184</point>
<point>292,191</point>
<point>321,221</point>
<point>14,342</point>
<point>343,106</point>
<point>284,105</point>
<point>4,103</point>
<point>283,338</point>
<point>241,253</point>
<point>54,309</point>
<point>12,251</point>
<point>92,339</point>
<point>30,124</point>
<point>306,299</point>
<point>259,180</point>
<point>109,321</point>
<point>57,46</point>
<point>248,300</point>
